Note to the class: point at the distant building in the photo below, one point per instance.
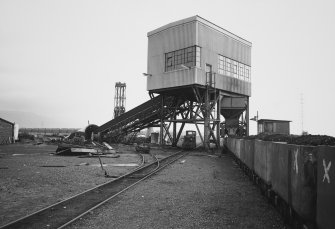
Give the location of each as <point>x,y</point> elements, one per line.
<point>48,131</point>
<point>6,132</point>
<point>273,126</point>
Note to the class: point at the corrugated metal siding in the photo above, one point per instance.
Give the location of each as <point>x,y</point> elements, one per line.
<point>172,79</point>
<point>6,132</point>
<point>172,39</point>
<point>282,127</point>
<point>226,83</point>
<point>213,43</point>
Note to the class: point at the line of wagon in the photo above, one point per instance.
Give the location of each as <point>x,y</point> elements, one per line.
<point>298,179</point>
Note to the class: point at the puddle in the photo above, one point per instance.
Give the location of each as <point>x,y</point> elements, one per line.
<point>26,154</point>
<point>116,165</point>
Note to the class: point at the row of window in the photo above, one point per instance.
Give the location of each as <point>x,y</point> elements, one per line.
<point>189,57</point>
<point>229,67</point>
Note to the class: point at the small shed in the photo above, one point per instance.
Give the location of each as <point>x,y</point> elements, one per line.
<point>273,126</point>
<point>6,132</point>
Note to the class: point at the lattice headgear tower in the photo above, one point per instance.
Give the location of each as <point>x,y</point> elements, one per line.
<point>119,99</point>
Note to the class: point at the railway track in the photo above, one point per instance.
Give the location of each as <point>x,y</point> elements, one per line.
<point>64,213</point>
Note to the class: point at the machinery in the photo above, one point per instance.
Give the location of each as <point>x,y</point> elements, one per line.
<point>189,141</point>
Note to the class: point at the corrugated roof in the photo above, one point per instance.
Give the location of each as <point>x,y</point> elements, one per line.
<point>203,21</point>
<point>6,121</point>
<point>272,120</point>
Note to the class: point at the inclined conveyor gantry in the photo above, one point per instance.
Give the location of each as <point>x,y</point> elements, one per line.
<point>148,114</point>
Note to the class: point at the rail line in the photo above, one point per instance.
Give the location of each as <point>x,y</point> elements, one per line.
<point>64,213</point>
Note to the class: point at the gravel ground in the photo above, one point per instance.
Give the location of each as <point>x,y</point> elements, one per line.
<point>198,191</point>
<point>26,187</point>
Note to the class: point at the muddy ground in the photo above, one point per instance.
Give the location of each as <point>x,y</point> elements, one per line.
<point>32,178</point>
<point>199,191</point>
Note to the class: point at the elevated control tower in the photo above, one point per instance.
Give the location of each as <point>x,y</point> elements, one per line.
<point>209,69</point>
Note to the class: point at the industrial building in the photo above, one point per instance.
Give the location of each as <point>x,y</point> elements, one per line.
<point>271,126</point>
<point>196,72</point>
<point>181,53</point>
<point>209,66</point>
<point>6,132</point>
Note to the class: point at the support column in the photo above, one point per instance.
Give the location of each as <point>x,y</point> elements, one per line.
<point>247,116</point>
<point>218,120</point>
<point>174,137</point>
<point>161,123</point>
<point>206,120</point>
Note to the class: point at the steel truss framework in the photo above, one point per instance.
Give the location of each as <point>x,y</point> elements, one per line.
<point>202,111</point>
<point>202,106</point>
<point>148,114</point>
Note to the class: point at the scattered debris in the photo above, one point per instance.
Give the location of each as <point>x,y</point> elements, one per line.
<point>38,143</point>
<point>112,176</point>
<point>84,163</point>
<point>117,165</point>
<point>215,156</point>
<point>98,155</point>
<point>83,150</point>
<point>53,166</point>
<point>74,150</point>
<point>108,146</point>
<point>89,149</point>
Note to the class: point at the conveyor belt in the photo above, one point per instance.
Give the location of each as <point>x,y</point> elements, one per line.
<point>145,115</point>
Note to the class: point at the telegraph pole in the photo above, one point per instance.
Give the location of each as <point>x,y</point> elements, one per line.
<point>302,112</point>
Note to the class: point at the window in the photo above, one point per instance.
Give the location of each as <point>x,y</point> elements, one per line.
<point>232,68</point>
<point>228,67</point>
<point>221,65</point>
<point>247,73</point>
<point>241,71</point>
<point>189,57</point>
<point>235,69</point>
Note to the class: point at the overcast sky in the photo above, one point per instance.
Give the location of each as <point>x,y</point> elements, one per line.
<point>61,59</point>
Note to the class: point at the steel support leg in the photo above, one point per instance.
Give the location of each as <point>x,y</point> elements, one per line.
<point>206,120</point>
<point>174,138</point>
<point>247,116</point>
<point>161,122</point>
<point>218,121</point>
